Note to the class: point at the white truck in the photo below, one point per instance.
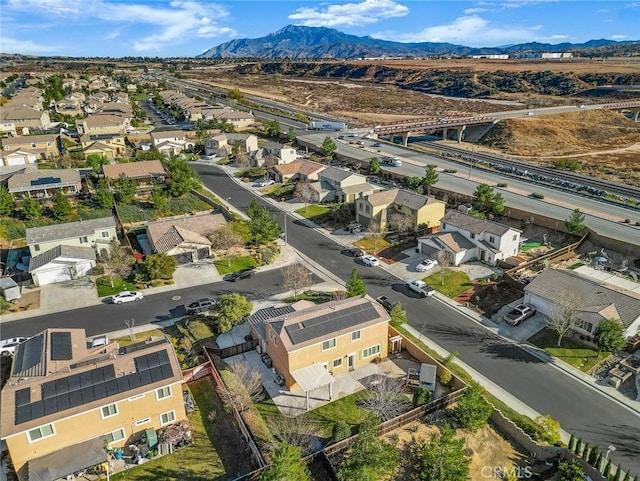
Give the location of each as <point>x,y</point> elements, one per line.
<point>420,287</point>
<point>327,126</point>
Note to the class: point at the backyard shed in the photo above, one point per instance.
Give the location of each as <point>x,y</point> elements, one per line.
<point>428,376</point>
<point>9,289</point>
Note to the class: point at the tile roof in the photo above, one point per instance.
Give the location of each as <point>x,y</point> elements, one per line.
<point>36,235</point>
<point>61,250</point>
<point>168,134</point>
<point>473,224</point>
<point>558,286</point>
<point>135,170</point>
<point>305,167</point>
<point>453,240</point>
<point>166,234</point>
<point>28,139</point>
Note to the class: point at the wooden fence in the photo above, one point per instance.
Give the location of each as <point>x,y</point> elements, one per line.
<point>234,350</point>
<point>198,372</point>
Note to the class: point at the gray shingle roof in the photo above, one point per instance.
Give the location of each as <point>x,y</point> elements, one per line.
<point>473,224</point>
<point>335,174</point>
<point>40,179</point>
<point>589,295</point>
<point>61,250</point>
<point>36,235</point>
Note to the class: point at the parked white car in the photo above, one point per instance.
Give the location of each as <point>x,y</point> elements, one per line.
<point>126,296</point>
<point>370,261</point>
<point>426,264</point>
<point>420,287</point>
<point>267,182</point>
<point>8,346</point>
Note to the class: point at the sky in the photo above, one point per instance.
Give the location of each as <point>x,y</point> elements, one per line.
<point>186,28</point>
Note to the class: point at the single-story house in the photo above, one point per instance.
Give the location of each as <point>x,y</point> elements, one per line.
<point>145,172</point>
<point>62,263</point>
<point>41,184</point>
<point>592,300</point>
<point>185,237</point>
<point>298,170</point>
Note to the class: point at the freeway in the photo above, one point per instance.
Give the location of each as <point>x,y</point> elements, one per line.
<point>540,385</point>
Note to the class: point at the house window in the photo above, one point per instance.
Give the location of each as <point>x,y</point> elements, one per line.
<point>587,326</point>
<point>168,417</point>
<point>41,433</point>
<point>355,335</point>
<point>142,421</point>
<point>371,351</point>
<point>114,436</point>
<point>473,236</point>
<point>36,247</point>
<point>108,411</point>
<point>105,234</point>
<point>366,209</point>
<point>329,344</point>
<point>360,206</point>
<point>492,239</point>
<point>515,236</point>
<point>444,226</point>
<point>163,392</point>
<point>337,362</point>
<point>84,240</point>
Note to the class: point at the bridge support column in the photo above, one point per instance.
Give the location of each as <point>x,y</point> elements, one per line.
<point>405,138</point>
<point>444,134</point>
<point>636,116</point>
<point>459,132</point>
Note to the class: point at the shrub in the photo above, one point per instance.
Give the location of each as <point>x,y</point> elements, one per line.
<point>421,396</point>
<point>446,378</point>
<point>537,195</point>
<point>98,270</point>
<point>627,221</point>
<point>199,329</point>
<point>450,171</point>
<point>258,427</point>
<point>638,222</point>
<point>341,430</point>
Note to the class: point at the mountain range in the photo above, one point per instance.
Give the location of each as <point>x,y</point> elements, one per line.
<point>300,42</point>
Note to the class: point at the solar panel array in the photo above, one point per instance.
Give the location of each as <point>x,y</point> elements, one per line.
<point>331,322</point>
<point>45,181</point>
<point>28,355</point>
<point>60,346</point>
<point>85,387</point>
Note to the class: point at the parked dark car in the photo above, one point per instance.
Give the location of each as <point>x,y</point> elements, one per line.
<point>201,305</point>
<point>245,273</point>
<point>354,252</point>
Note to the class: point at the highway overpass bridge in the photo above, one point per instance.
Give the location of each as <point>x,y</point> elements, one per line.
<point>406,129</point>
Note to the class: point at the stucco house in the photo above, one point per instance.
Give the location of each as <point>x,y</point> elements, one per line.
<point>24,119</point>
<point>308,346</point>
<point>106,145</point>
<point>381,206</point>
<point>171,142</point>
<point>18,157</point>
<point>103,124</point>
<point>592,300</point>
<point>65,403</point>
<point>62,263</point>
<point>340,185</point>
<point>94,233</point>
<point>223,144</point>
<point>239,120</point>
<point>283,154</point>
<point>466,237</point>
<point>43,184</point>
<point>298,170</point>
<point>146,173</point>
<point>185,237</point>
<point>45,146</point>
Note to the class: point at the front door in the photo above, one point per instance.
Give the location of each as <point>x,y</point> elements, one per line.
<point>482,254</point>
<point>351,361</point>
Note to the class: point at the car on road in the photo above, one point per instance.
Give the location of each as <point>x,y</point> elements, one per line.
<point>354,252</point>
<point>246,273</point>
<point>200,305</point>
<point>426,264</point>
<point>370,261</point>
<point>420,287</point>
<point>387,303</point>
<point>519,313</point>
<point>126,296</point>
<point>376,144</point>
<point>8,346</point>
<point>267,182</point>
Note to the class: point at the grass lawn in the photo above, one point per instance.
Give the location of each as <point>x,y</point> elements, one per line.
<point>237,263</point>
<point>312,211</point>
<point>455,282</point>
<point>366,243</point>
<point>576,265</point>
<point>197,462</point>
<point>570,351</point>
<point>139,337</point>
<point>315,297</point>
<point>119,285</point>
<point>343,410</point>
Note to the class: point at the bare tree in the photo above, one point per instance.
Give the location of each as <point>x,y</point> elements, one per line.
<point>385,397</point>
<point>374,229</point>
<point>563,319</point>
<point>444,258</point>
<point>339,295</point>
<point>234,394</point>
<point>305,193</point>
<point>401,222</point>
<point>250,379</point>
<point>228,240</point>
<point>271,160</point>
<point>242,161</point>
<point>296,278</point>
<point>297,430</point>
<point>119,261</point>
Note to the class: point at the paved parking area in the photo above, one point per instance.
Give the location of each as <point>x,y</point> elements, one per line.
<point>519,333</point>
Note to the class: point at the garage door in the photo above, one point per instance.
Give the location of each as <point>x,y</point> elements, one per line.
<point>51,277</point>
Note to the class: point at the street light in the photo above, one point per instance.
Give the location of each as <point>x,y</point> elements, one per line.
<point>610,449</point>
<point>285,227</point>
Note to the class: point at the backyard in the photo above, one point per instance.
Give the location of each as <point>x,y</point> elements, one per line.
<point>570,351</point>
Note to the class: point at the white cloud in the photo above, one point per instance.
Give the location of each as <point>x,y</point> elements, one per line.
<point>524,3</point>
<point>170,23</point>
<point>470,30</point>
<point>348,14</point>
<point>11,45</point>
<point>558,37</point>
<point>618,37</point>
<point>470,11</point>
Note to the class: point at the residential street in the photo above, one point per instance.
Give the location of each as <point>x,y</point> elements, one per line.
<point>546,389</point>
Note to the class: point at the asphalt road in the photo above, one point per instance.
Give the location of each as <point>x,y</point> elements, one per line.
<point>543,387</point>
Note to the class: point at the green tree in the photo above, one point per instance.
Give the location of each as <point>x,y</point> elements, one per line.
<point>286,465</point>
<point>95,161</point>
<point>594,455</point>
<point>30,208</point>
<point>104,196</point>
<point>497,203</point>
<point>159,197</point>
<point>618,476</point>
<point>482,197</point>
<point>328,147</point>
<point>355,285</point>
<point>421,395</point>
<point>472,411</point>
<point>398,315</point>
<point>575,224</point>
<point>370,458</point>
<point>579,446</point>
<point>181,178</point>
<point>124,189</point>
<point>263,225</point>
<point>606,472</point>
<point>291,134</point>
<point>430,178</point>
<point>570,471</point>
<point>230,310</point>
<point>272,128</point>
<point>61,208</point>
<point>235,94</point>
<point>442,458</point>
<point>609,336</point>
<point>374,166</point>
<point>548,430</point>
<point>7,203</point>
<point>572,443</point>
<point>158,266</point>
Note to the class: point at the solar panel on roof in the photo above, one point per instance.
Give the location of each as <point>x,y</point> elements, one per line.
<point>85,379</point>
<point>64,402</point>
<point>28,354</point>
<point>23,414</point>
<point>48,390</point>
<point>123,384</point>
<point>87,395</point>
<point>60,346</point>
<point>23,396</point>
<point>45,181</point>
<point>50,406</point>
<point>62,386</point>
<point>100,391</point>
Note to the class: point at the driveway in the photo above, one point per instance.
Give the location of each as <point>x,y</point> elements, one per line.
<point>520,333</point>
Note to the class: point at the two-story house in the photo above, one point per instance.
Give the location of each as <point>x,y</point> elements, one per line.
<point>45,146</point>
<point>65,402</point>
<point>24,119</point>
<point>224,144</point>
<point>383,205</point>
<point>102,124</point>
<point>311,345</point>
<point>283,154</point>
<point>340,185</point>
<point>43,184</point>
<point>239,120</point>
<point>466,237</point>
<point>107,146</point>
<point>171,142</point>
